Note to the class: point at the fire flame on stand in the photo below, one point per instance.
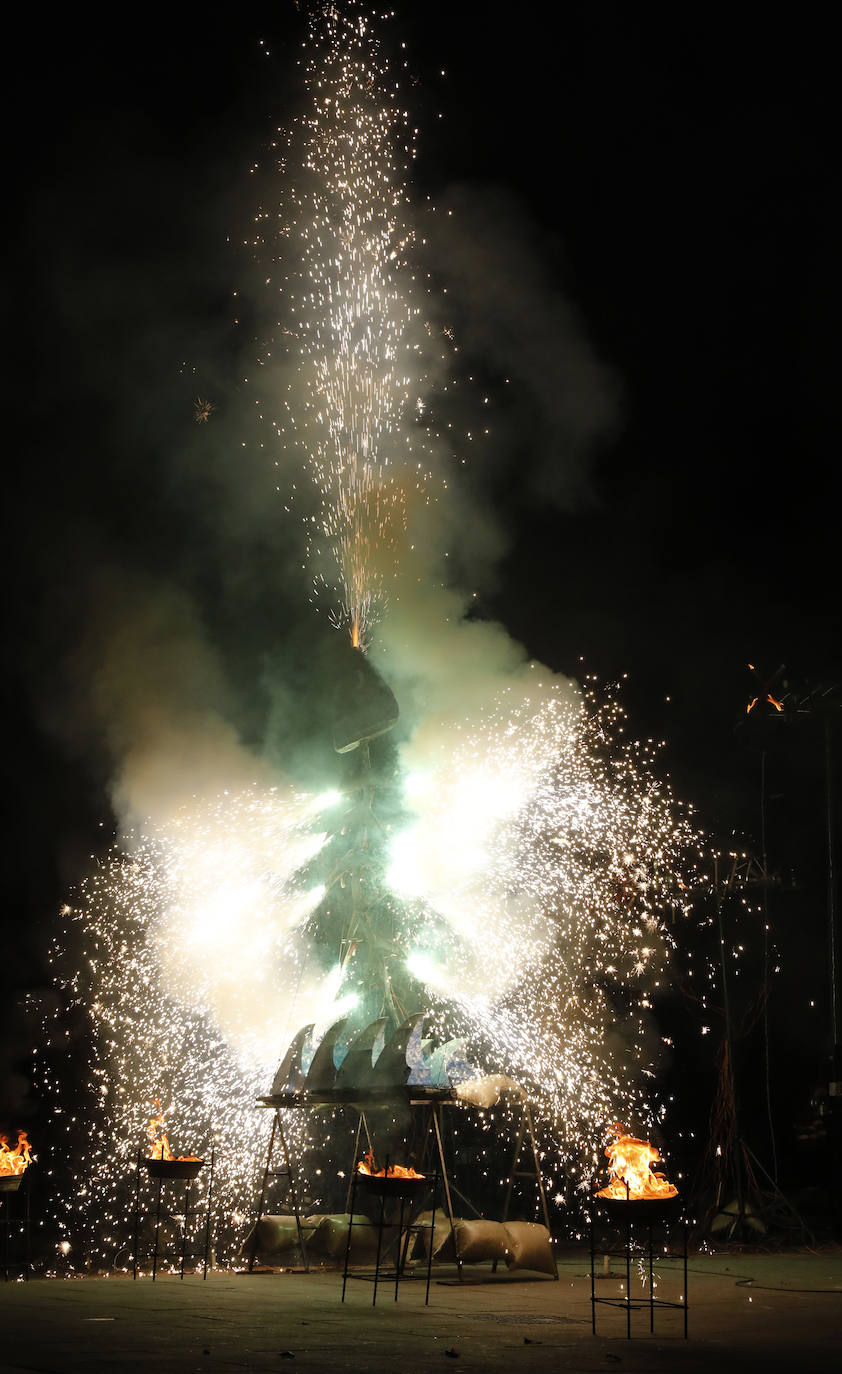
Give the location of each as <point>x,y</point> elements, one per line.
<point>159,1145</point>
<point>15,1160</point>
<point>629,1163</point>
<point>366,1166</point>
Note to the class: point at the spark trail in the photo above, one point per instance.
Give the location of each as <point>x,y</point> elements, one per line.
<point>351,319</point>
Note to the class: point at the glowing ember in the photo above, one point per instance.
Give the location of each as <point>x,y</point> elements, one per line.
<point>630,1165</point>
<point>159,1145</point>
<point>13,1161</point>
<point>366,1166</point>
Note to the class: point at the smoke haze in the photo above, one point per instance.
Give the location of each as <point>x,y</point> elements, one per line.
<point>177,634</point>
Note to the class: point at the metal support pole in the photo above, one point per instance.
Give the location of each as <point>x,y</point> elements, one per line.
<point>157,1230</point>
<point>380,1233</point>
<point>432,1236</point>
<point>184,1228</point>
<point>651,1288</point>
<point>685,1278</point>
<point>833,932</point>
<point>527,1111</point>
<point>628,1266</point>
<point>352,1199</point>
<point>136,1211</point>
<point>434,1108</point>
<point>735,1144</point>
<point>512,1172</point>
<point>835,1077</point>
<point>593,1290</point>
<point>208,1213</point>
<point>26,1232</point>
<point>398,1256</point>
<point>293,1195</point>
<point>354,1155</point>
<point>262,1200</point>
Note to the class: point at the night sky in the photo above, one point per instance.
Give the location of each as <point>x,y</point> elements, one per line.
<point>649,197</point>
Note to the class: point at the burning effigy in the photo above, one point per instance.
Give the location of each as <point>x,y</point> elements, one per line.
<point>630,1164</point>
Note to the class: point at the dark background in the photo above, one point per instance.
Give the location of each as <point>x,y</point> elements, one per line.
<point>678,173</point>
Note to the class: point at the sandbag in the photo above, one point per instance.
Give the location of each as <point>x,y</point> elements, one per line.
<point>274,1236</point>
<point>331,1237</point>
<point>421,1229</point>
<point>522,1244</point>
<point>480,1240</point>
<point>529,1247</point>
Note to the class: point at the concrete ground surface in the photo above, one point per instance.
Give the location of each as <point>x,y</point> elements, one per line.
<point>746,1312</point>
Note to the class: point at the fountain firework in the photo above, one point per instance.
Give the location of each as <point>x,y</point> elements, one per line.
<point>527,891</point>
<point>350,321</point>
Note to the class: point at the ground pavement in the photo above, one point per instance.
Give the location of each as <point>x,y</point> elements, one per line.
<point>746,1313</point>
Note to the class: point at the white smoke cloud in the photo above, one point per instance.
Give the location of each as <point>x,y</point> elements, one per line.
<point>148,684</point>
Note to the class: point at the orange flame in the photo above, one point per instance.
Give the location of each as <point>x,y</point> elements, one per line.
<point>769,699</point>
<point>630,1165</point>
<point>772,701</point>
<point>159,1145</point>
<point>355,634</point>
<point>366,1166</point>
<point>15,1160</point>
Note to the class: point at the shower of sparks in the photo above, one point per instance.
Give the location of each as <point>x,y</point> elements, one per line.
<point>544,855</point>
<point>555,856</point>
<point>542,863</point>
<point>349,320</point>
<point>180,954</point>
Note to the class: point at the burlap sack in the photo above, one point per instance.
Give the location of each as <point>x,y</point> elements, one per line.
<point>420,1248</point>
<point>529,1247</point>
<point>274,1237</point>
<point>481,1240</point>
<point>331,1238</point>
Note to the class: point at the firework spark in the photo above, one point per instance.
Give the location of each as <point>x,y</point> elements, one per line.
<point>347,294</point>
<point>528,893</point>
<point>533,887</point>
<point>179,953</point>
<point>554,854</point>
